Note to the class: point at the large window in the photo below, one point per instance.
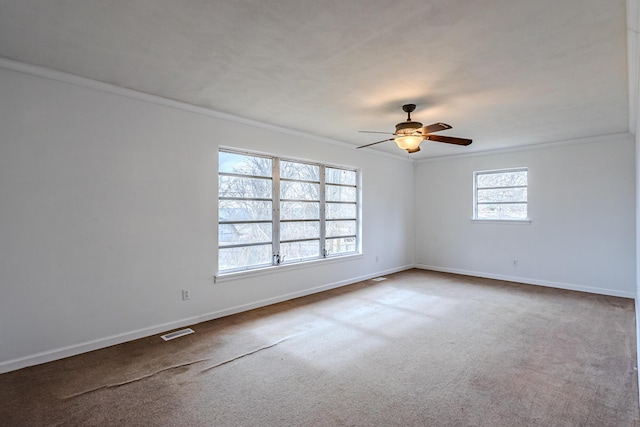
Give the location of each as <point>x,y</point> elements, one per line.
<point>500,195</point>
<point>275,211</point>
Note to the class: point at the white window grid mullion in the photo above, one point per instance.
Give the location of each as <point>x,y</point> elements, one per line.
<point>475,194</point>
<point>503,203</point>
<point>251,199</point>
<point>310,239</point>
<point>334,184</point>
<point>323,221</point>
<point>342,236</point>
<point>306,181</point>
<point>276,210</point>
<point>357,236</point>
<point>243,175</point>
<point>243,222</point>
<point>243,245</point>
<point>505,187</point>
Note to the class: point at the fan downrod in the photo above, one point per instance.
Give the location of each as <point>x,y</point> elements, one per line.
<point>408,108</point>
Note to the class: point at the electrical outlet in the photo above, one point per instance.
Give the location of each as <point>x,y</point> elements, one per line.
<point>515,262</point>
<point>186,294</point>
<point>377,258</point>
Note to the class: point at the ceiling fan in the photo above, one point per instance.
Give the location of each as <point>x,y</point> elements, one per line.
<point>410,134</point>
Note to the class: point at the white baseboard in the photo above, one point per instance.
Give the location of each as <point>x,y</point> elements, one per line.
<point>529,281</point>
<point>72,350</point>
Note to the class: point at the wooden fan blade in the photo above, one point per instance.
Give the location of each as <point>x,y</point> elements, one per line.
<point>374,143</point>
<point>449,139</point>
<point>436,127</point>
<point>373,131</point>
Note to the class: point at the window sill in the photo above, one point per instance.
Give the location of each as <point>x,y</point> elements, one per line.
<point>226,277</point>
<point>502,221</point>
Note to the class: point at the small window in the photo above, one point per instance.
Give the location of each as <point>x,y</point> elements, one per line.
<point>500,195</point>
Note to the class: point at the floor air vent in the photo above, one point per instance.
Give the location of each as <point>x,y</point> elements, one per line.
<point>379,279</point>
<point>177,334</point>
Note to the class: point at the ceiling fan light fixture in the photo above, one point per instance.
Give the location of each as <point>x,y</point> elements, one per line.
<point>410,134</point>
<point>408,142</point>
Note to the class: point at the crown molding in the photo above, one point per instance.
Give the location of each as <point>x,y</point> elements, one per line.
<point>621,137</point>
<point>60,76</point>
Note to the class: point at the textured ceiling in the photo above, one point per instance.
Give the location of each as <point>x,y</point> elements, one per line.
<point>502,72</point>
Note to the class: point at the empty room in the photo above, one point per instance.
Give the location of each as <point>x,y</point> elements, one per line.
<point>356,213</point>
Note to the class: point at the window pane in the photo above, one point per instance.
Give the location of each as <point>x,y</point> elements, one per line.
<point>300,250</point>
<point>341,228</point>
<point>299,190</point>
<point>248,188</point>
<point>502,179</point>
<point>301,171</point>
<point>243,164</point>
<point>502,195</point>
<point>341,245</point>
<point>340,194</point>
<point>340,210</point>
<point>234,234</point>
<point>227,234</point>
<point>244,210</point>
<point>299,230</point>
<point>509,211</point>
<point>340,176</point>
<point>248,256</point>
<point>299,210</point>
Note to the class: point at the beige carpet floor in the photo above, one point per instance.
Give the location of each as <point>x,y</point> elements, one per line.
<point>418,349</point>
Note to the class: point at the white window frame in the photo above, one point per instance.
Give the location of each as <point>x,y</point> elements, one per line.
<point>275,220</point>
<point>475,218</point>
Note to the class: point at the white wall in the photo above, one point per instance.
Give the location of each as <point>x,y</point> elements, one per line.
<point>108,210</point>
<point>633,54</point>
<point>582,209</point>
